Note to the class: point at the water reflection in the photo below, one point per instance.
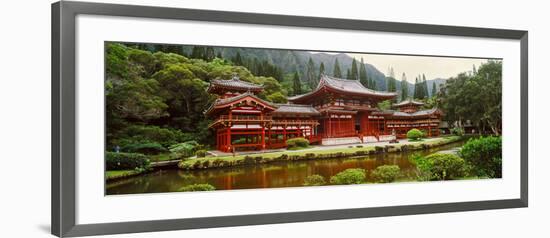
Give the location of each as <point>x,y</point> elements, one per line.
<point>273,175</point>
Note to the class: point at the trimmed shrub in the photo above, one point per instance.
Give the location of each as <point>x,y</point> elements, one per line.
<point>197,187</point>
<point>386,173</point>
<point>200,153</point>
<point>485,156</point>
<point>151,148</point>
<point>349,176</point>
<point>125,161</point>
<point>440,166</point>
<point>314,180</point>
<point>297,143</point>
<point>185,149</point>
<point>414,134</point>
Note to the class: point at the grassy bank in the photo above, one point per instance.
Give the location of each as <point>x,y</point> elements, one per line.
<point>118,174</point>
<point>350,151</point>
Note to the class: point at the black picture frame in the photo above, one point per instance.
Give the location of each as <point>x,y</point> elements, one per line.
<point>64,121</point>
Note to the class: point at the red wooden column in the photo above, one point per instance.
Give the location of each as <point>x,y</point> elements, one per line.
<point>263,137</point>
<point>228,142</point>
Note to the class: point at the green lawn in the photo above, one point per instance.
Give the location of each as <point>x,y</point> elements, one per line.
<point>114,174</point>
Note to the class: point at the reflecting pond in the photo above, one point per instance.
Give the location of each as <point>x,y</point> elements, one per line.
<point>271,175</point>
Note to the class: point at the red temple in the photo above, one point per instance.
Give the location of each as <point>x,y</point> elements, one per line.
<point>338,111</point>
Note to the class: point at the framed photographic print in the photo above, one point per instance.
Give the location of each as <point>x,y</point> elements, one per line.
<point>166,119</point>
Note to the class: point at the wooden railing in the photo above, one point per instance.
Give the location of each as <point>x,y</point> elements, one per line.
<point>241,118</point>
<point>295,122</point>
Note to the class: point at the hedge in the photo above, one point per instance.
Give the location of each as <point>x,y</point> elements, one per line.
<point>125,161</point>
<point>440,166</point>
<point>314,180</point>
<point>414,134</point>
<point>349,176</point>
<point>297,143</point>
<point>386,173</point>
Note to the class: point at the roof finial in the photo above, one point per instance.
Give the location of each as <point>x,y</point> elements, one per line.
<point>235,76</point>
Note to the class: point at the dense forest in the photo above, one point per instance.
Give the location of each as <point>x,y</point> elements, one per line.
<point>156,94</point>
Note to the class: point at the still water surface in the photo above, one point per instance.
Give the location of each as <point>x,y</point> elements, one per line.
<point>272,175</point>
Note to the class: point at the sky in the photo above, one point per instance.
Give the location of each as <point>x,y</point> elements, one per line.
<point>412,66</point>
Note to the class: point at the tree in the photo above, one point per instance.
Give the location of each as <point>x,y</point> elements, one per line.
<point>416,93</point>
<point>336,72</point>
<point>404,87</point>
<point>310,74</point>
<point>209,54</point>
<point>321,71</point>
<point>238,60</point>
<point>476,98</point>
<point>297,85</point>
<point>434,89</point>
<point>277,97</point>
<point>363,74</point>
<point>198,52</point>
<point>354,73</point>
<point>425,91</point>
<point>348,74</point>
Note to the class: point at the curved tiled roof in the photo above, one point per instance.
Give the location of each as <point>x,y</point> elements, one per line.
<point>415,114</point>
<point>408,102</point>
<point>344,85</point>
<point>295,109</point>
<point>224,101</point>
<point>235,83</point>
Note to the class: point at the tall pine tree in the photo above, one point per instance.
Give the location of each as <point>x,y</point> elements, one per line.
<point>416,94</point>
<point>321,71</point>
<point>354,71</point>
<point>363,74</point>
<point>238,59</point>
<point>310,73</point>
<point>337,72</point>
<point>404,88</point>
<point>296,84</point>
<point>434,89</point>
<point>425,91</point>
<point>348,74</point>
<point>209,54</point>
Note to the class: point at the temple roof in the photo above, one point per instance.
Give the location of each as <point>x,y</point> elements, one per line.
<point>417,113</point>
<point>408,102</point>
<point>234,84</point>
<point>344,86</point>
<point>296,109</point>
<point>224,102</point>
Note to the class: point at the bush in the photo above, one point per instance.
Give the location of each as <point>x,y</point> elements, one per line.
<point>297,143</point>
<point>197,187</point>
<point>485,156</point>
<point>125,161</point>
<point>152,148</point>
<point>314,180</point>
<point>185,149</point>
<point>349,176</point>
<point>386,173</point>
<point>200,153</point>
<point>457,131</point>
<point>440,166</point>
<point>149,134</point>
<point>414,134</point>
